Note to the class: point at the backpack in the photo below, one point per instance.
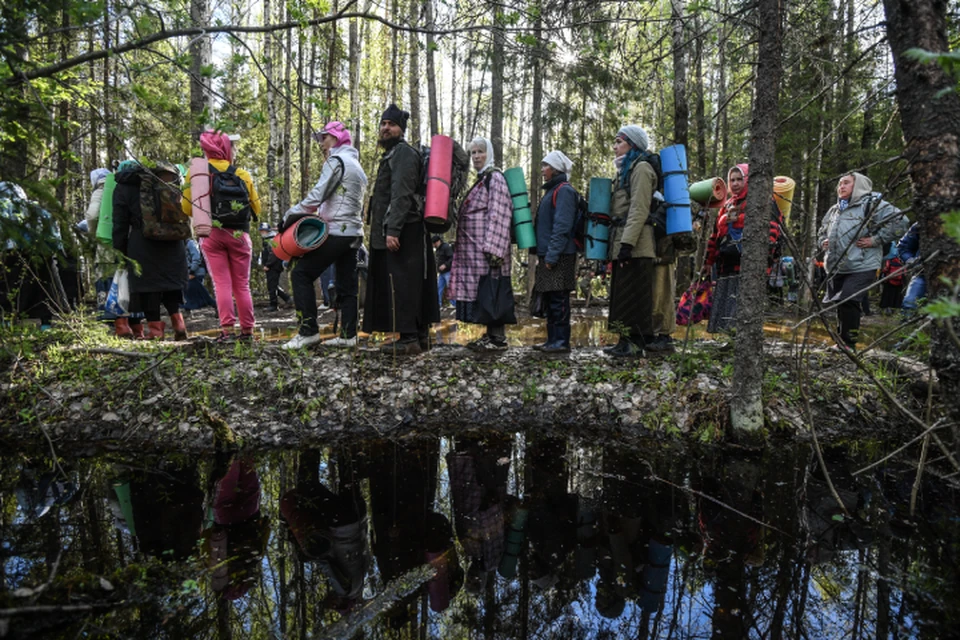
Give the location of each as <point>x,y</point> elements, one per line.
<point>681,242</point>
<point>458,180</point>
<point>580,218</point>
<point>229,198</point>
<point>163,217</point>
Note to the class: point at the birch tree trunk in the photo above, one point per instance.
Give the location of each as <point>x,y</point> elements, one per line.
<point>274,142</point>
<point>930,115</point>
<point>201,54</point>
<point>746,405</point>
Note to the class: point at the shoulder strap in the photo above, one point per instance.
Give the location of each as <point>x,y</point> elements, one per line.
<point>558,189</point>
<point>331,188</point>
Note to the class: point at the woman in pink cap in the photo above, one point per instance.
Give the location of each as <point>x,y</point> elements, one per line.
<point>337,198</point>
<point>228,250</point>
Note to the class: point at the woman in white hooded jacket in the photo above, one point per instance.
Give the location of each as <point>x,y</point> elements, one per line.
<point>337,198</point>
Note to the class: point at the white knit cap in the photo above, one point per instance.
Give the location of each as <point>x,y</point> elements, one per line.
<point>636,135</point>
<point>559,161</point>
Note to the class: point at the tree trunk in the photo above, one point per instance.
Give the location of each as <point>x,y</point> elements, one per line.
<point>496,86</point>
<point>354,57</point>
<point>435,123</point>
<point>681,114</point>
<point>746,405</point>
<point>395,54</point>
<point>536,135</point>
<point>273,143</point>
<point>413,127</point>
<point>930,116</point>
<point>699,104</point>
<point>201,54</point>
<point>719,125</point>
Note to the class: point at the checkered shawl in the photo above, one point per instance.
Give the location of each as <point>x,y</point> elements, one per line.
<point>483,226</point>
<point>480,530</point>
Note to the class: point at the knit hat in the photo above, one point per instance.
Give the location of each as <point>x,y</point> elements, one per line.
<point>636,135</point>
<point>97,175</point>
<point>559,161</point>
<point>396,115</point>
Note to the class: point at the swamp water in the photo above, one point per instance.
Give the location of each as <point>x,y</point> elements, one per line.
<point>488,536</point>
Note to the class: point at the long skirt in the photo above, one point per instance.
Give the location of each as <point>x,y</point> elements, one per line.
<point>723,313</point>
<point>631,298</point>
<point>402,286</point>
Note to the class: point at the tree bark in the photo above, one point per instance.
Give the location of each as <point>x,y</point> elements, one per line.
<point>201,54</point>
<point>699,108</point>
<point>681,114</point>
<point>746,405</point>
<point>413,127</point>
<point>496,86</point>
<point>274,142</point>
<point>930,116</point>
<point>435,123</point>
<point>536,133</point>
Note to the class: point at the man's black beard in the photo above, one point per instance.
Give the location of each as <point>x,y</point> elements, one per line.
<point>390,143</point>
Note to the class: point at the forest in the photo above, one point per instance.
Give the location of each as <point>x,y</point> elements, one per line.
<point>812,90</point>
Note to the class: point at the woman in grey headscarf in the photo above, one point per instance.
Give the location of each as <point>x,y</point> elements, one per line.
<point>483,241</point>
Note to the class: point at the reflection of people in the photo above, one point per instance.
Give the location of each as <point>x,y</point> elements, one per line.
<point>330,528</point>
<point>552,524</point>
<point>402,283</point>
<point>238,537</point>
<point>854,232</point>
<point>478,490</point>
<point>483,242</point>
<point>165,509</point>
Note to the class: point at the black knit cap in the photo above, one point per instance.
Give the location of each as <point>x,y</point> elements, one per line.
<point>396,115</point>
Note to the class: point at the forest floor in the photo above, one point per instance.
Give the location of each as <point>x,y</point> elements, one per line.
<point>77,385</point>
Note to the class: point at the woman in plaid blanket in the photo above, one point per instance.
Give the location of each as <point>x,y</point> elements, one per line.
<point>483,241</point>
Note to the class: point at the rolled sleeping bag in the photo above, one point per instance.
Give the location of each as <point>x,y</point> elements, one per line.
<point>517,185</point>
<point>783,188</point>
<point>105,219</point>
<point>522,217</point>
<point>598,220</point>
<point>200,202</point>
<point>673,163</point>
<point>439,172</point>
<point>303,236</point>
<point>709,193</point>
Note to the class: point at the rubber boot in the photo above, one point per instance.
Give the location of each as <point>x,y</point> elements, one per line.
<point>137,330</point>
<point>121,327</point>
<point>179,327</point>
<point>156,330</point>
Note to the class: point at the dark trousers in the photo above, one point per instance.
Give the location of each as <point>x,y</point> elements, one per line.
<point>196,296</point>
<point>340,251</point>
<point>848,319</point>
<point>151,301</point>
<point>558,317</point>
<point>273,287</point>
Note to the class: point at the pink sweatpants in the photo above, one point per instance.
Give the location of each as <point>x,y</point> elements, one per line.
<point>229,259</point>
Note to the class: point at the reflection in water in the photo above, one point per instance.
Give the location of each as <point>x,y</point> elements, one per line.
<point>526,537</point>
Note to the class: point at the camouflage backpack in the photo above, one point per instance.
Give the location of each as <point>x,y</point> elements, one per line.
<point>163,217</point>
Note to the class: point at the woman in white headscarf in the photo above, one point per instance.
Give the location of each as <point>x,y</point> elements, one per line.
<point>483,241</point>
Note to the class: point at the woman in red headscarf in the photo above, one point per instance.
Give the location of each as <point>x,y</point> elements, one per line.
<point>228,249</point>
<point>725,248</point>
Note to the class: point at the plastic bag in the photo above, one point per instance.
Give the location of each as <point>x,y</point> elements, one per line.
<point>118,298</point>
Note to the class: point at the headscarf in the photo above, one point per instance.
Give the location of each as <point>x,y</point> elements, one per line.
<point>97,175</point>
<point>216,145</point>
<point>559,161</point>
<point>744,169</point>
<point>483,142</point>
<point>338,131</point>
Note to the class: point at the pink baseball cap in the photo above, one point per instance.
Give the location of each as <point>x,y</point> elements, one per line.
<point>337,130</point>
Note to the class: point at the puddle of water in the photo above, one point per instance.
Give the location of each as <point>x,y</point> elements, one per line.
<point>527,537</point>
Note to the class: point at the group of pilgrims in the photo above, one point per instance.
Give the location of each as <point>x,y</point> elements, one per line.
<point>401,293</point>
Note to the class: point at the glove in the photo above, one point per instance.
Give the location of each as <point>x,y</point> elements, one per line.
<point>625,251</point>
<point>492,260</point>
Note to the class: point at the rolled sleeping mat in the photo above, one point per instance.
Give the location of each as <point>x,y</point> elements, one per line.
<point>523,228</point>
<point>709,193</point>
<point>517,185</point>
<point>783,188</point>
<point>105,220</point>
<point>598,219</point>
<point>513,544</point>
<point>439,172</point>
<point>305,235</point>
<point>200,202</point>
<point>673,163</point>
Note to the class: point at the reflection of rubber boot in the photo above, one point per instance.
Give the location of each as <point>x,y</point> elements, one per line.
<point>156,330</point>
<point>121,327</point>
<point>179,327</point>
<point>137,330</point>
